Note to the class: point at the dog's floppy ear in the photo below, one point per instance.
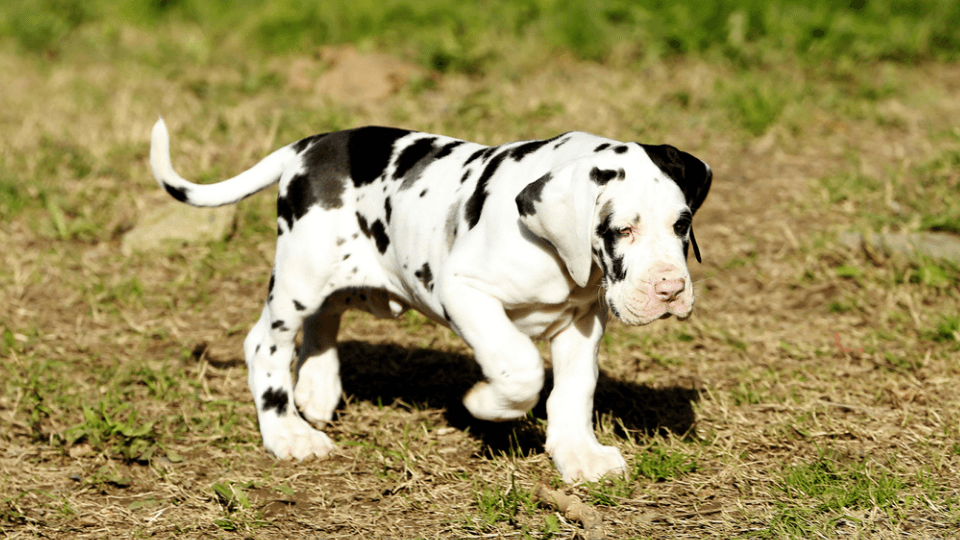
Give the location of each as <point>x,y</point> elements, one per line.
<point>691,174</point>
<point>559,208</point>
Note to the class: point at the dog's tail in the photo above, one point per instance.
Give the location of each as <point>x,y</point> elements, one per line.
<point>262,175</point>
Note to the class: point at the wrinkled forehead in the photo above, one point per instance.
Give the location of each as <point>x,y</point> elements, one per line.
<point>644,190</point>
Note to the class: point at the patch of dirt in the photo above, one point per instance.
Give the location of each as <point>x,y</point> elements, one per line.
<point>352,77</point>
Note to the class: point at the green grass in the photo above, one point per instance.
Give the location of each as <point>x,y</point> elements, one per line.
<point>832,489</point>
<point>835,484</point>
<point>496,505</point>
<point>466,36</point>
<point>660,464</point>
<point>114,428</point>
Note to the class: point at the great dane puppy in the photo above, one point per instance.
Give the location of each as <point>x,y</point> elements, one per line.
<point>504,244</point>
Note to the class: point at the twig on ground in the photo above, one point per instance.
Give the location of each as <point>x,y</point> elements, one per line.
<point>574,509</point>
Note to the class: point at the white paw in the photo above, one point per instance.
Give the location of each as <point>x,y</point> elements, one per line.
<point>317,395</point>
<point>586,461</point>
<point>484,403</point>
<point>292,437</point>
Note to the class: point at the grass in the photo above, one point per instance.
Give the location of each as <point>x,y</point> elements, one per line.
<point>834,490</point>
<point>458,36</point>
<point>915,196</point>
<point>811,395</point>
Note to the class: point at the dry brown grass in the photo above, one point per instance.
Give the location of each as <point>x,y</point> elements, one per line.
<point>754,387</point>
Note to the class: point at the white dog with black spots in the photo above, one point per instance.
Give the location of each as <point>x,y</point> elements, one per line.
<point>504,244</point>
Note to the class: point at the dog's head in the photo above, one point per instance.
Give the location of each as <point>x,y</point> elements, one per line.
<point>629,210</point>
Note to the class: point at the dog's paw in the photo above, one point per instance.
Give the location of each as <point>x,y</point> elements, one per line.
<point>317,394</point>
<point>484,403</point>
<point>587,461</point>
<point>292,437</point>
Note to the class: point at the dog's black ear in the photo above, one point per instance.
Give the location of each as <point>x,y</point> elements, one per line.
<point>691,174</point>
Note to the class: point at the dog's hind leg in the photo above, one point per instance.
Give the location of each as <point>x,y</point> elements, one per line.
<point>318,388</point>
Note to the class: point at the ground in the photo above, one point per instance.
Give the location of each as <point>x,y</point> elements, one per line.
<point>812,394</point>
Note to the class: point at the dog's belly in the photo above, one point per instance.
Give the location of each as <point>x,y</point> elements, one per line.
<point>544,321</point>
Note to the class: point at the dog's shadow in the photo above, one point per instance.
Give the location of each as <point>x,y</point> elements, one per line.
<point>385,373</point>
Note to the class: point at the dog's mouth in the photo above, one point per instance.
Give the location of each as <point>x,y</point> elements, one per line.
<point>640,315</point>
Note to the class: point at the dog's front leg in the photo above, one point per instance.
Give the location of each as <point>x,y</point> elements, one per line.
<point>510,361</point>
<point>570,436</point>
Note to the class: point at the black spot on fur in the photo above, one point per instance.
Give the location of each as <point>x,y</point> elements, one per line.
<point>273,281</point>
<point>616,271</point>
<point>561,143</point>
<point>322,182</point>
<point>447,149</point>
<point>364,227</point>
<point>298,306</point>
<point>273,349</point>
<point>341,241</point>
<point>179,194</point>
<point>277,399</point>
<point>465,176</point>
<point>422,193</point>
<point>425,276</point>
<point>387,208</point>
<point>369,149</point>
<point>380,236</point>
<point>302,144</point>
<point>276,324</point>
<point>602,176</point>
<point>620,149</point>
<point>521,151</point>
<point>345,257</point>
<point>602,147</point>
<point>613,309</point>
<point>477,155</point>
<point>256,349</point>
<point>475,203</point>
<point>411,155</point>
<point>530,195</point>
<point>445,314</point>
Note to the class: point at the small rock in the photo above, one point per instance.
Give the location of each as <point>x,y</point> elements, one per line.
<point>938,245</point>
<point>175,221</point>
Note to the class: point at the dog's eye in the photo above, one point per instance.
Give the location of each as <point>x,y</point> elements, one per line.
<point>624,231</point>
<point>681,226</point>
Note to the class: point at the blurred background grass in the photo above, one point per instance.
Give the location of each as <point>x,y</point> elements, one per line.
<point>466,36</point>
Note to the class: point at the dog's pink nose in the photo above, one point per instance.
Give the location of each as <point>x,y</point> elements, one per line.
<point>667,290</point>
